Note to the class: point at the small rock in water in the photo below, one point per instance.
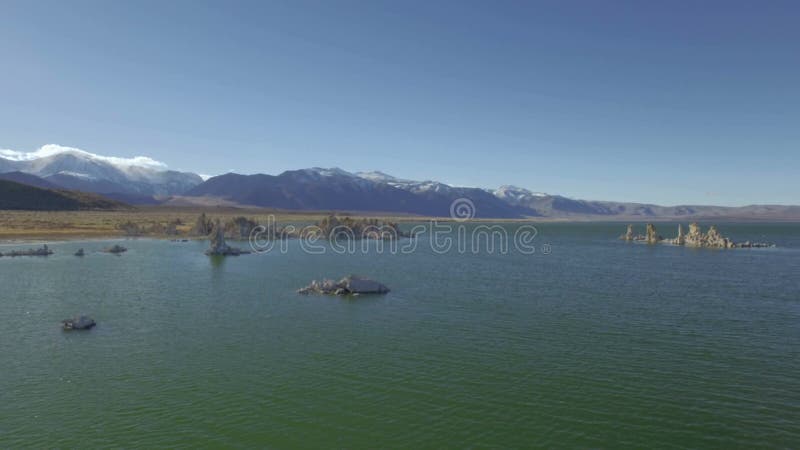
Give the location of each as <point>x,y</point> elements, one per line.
<point>79,252</point>
<point>79,323</point>
<point>351,285</point>
<point>116,249</point>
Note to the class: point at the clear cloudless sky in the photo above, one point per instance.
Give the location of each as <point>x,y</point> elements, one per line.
<point>668,102</point>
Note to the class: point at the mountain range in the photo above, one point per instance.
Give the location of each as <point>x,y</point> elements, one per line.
<point>72,168</point>
<point>15,195</point>
<point>142,180</point>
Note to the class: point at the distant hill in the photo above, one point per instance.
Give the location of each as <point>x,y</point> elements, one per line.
<point>26,178</point>
<point>335,189</point>
<point>20,196</point>
<point>144,181</point>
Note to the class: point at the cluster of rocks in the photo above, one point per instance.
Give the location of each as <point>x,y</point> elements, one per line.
<point>333,227</point>
<point>651,237</point>
<point>78,323</point>
<point>694,238</point>
<point>218,247</point>
<point>350,285</point>
<point>43,251</point>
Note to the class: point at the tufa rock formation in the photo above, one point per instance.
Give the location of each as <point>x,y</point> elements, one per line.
<point>218,247</point>
<point>694,238</point>
<point>628,236</point>
<point>716,240</point>
<point>652,236</point>
<point>681,239</point>
<point>203,226</point>
<point>350,285</point>
<point>240,227</point>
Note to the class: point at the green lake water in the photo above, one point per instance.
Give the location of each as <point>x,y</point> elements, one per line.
<point>599,343</point>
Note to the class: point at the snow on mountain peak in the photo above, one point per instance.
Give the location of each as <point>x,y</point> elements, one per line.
<point>510,192</point>
<point>329,172</point>
<point>377,175</point>
<point>74,168</point>
<point>49,150</point>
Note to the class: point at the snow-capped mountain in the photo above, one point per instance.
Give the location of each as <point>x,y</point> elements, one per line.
<point>139,180</point>
<point>516,195</point>
<point>73,168</point>
<point>336,189</point>
<point>404,184</point>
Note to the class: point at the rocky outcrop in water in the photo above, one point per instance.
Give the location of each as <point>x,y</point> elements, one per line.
<point>350,285</point>
<point>652,236</point>
<point>631,236</point>
<point>628,236</point>
<point>78,323</point>
<point>79,252</point>
<point>694,238</point>
<point>218,247</point>
<point>115,249</point>
<point>43,251</point>
<point>680,239</point>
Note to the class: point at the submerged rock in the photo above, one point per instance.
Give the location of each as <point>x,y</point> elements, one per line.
<point>350,285</point>
<point>79,323</point>
<point>748,244</point>
<point>79,252</point>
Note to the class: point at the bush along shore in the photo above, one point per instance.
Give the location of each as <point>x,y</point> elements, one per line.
<point>694,238</point>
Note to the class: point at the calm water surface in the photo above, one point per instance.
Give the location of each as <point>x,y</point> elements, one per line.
<point>598,344</point>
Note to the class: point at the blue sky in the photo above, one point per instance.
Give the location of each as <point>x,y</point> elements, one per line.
<point>666,102</point>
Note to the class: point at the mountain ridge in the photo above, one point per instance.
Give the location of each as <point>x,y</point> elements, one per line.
<point>19,196</point>
<point>75,169</point>
<point>142,180</point>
